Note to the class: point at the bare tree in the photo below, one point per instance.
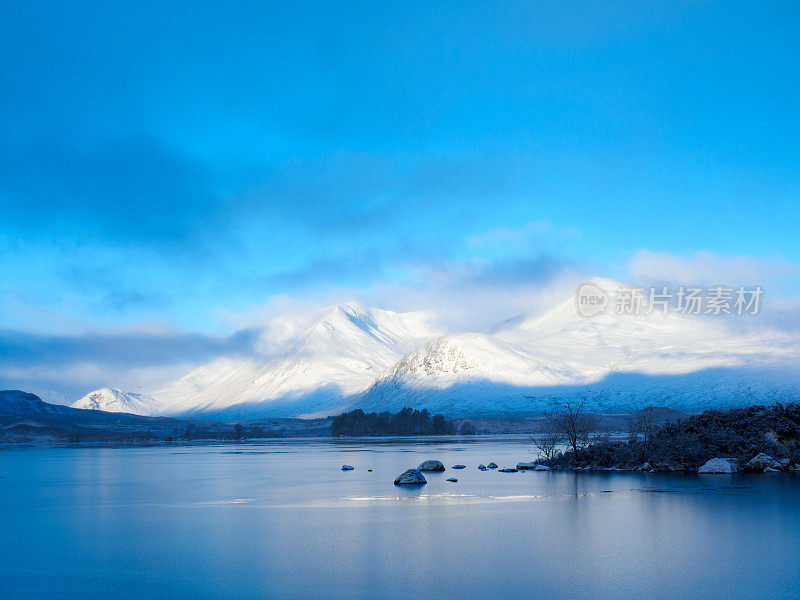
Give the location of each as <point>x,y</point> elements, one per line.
<point>548,442</point>
<point>642,426</point>
<point>574,425</point>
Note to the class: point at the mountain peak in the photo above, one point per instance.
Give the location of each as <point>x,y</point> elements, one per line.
<point>337,353</point>
<point>114,400</point>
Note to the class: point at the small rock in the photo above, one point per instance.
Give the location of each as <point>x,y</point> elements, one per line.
<point>482,467</point>
<point>369,470</point>
<point>717,465</point>
<point>458,467</point>
<point>526,465</point>
<point>645,467</point>
<point>785,463</point>
<point>508,470</point>
<point>542,468</point>
<point>347,468</point>
<point>760,462</point>
<point>771,470</point>
<point>491,465</point>
<point>794,467</point>
<point>411,477</point>
<point>453,479</point>
<point>431,465</point>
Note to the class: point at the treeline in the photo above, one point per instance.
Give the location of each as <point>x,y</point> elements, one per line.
<point>571,439</point>
<point>405,422</point>
<point>237,432</point>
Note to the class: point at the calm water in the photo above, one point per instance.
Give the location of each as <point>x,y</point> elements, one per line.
<point>281,520</point>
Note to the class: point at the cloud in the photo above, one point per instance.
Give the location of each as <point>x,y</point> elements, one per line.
<point>462,295</point>
<point>111,291</point>
<point>507,274</point>
<point>537,236</point>
<point>132,189</point>
<point>133,360</point>
<point>775,275</point>
<point>128,349</point>
<point>779,278</point>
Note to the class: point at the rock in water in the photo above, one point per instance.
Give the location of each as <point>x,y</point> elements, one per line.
<point>508,470</point>
<point>542,468</point>
<point>431,465</point>
<point>717,465</point>
<point>523,466</point>
<point>411,477</point>
<point>458,467</point>
<point>453,479</point>
<point>761,462</point>
<point>347,468</point>
<point>491,465</point>
<point>482,467</point>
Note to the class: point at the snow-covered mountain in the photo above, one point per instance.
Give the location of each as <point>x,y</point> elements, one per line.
<point>613,361</point>
<point>111,400</point>
<point>323,362</point>
<point>351,356</point>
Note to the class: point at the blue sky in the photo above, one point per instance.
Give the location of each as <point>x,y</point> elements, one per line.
<point>166,165</point>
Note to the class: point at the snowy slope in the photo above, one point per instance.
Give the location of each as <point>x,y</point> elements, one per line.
<point>320,365</point>
<point>351,356</point>
<point>613,361</point>
<point>111,400</point>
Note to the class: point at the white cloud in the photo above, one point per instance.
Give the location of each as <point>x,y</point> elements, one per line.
<point>537,236</point>
<point>776,275</point>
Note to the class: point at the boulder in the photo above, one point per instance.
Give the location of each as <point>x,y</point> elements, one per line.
<point>645,467</point>
<point>760,462</point>
<point>542,468</point>
<point>453,479</point>
<point>491,465</point>
<point>526,465</point>
<point>347,468</point>
<point>785,463</point>
<point>431,465</point>
<point>411,477</point>
<point>508,470</point>
<point>771,470</point>
<point>482,467</point>
<point>458,467</point>
<point>717,465</point>
<point>794,467</point>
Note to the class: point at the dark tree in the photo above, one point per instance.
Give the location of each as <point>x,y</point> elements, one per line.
<point>467,428</point>
<point>642,427</point>
<point>405,422</point>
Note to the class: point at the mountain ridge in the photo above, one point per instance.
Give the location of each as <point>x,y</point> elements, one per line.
<point>352,356</point>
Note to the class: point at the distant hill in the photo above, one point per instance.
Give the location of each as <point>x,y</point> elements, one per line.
<point>25,417</point>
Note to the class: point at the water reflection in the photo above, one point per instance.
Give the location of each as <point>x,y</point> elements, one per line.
<point>281,520</point>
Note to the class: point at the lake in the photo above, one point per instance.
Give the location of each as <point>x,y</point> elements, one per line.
<point>279,519</point>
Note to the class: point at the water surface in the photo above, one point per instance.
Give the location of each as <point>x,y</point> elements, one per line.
<point>279,519</point>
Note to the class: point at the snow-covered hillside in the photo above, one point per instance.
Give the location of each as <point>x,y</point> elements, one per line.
<point>350,356</point>
<point>323,362</point>
<point>613,361</point>
<point>111,400</point>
